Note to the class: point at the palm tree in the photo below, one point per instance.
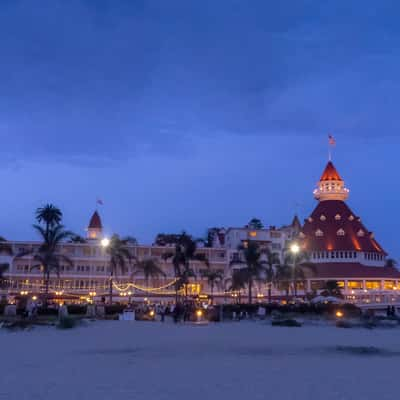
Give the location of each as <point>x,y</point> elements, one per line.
<point>185,252</point>
<point>131,240</point>
<point>77,239</point>
<point>283,276</point>
<point>238,281</point>
<point>253,264</point>
<point>213,277</point>
<point>298,264</point>
<point>119,257</point>
<point>50,215</point>
<point>271,262</point>
<point>47,257</point>
<point>149,268</point>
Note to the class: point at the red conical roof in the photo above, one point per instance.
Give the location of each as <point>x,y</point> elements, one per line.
<point>333,226</point>
<point>95,221</point>
<point>330,173</point>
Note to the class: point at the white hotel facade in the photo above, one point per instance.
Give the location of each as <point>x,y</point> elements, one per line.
<point>338,245</point>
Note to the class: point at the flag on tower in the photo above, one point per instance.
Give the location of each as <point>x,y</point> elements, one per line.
<point>99,201</point>
<point>332,140</point>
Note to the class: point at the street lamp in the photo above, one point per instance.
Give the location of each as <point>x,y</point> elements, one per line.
<point>105,242</point>
<point>295,248</point>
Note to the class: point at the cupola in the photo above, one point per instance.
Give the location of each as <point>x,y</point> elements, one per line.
<point>331,185</point>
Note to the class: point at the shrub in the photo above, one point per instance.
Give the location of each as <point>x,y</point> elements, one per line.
<point>114,309</point>
<point>46,311</point>
<point>66,323</point>
<point>287,322</point>
<point>77,309</point>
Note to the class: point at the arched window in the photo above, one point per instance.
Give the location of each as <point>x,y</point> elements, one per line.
<point>340,232</point>
<point>338,217</point>
<point>322,217</point>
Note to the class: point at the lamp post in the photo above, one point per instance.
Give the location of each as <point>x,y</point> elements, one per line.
<point>295,249</point>
<point>105,242</point>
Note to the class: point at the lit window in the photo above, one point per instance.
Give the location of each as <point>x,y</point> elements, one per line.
<point>253,233</point>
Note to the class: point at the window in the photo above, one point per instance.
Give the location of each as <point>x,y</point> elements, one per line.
<point>340,232</point>
<point>319,233</point>
<point>338,217</point>
<point>360,233</point>
<point>322,217</point>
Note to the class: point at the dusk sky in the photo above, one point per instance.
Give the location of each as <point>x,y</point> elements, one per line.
<point>187,114</point>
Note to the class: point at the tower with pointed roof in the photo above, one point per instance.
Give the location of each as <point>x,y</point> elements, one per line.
<point>95,227</point>
<point>333,233</point>
<point>331,185</point>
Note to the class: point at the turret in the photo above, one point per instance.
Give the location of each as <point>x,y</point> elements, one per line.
<point>331,185</point>
<point>95,228</point>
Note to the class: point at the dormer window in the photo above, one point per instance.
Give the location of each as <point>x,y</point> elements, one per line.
<point>319,233</point>
<point>371,235</point>
<point>351,218</point>
<point>340,232</point>
<point>338,217</point>
<point>302,235</point>
<point>322,217</point>
<point>310,219</point>
<point>360,233</point>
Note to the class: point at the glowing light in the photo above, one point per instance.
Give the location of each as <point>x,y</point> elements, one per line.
<point>105,242</point>
<point>152,313</point>
<point>339,314</point>
<point>294,248</point>
<point>199,313</point>
<point>34,298</point>
<point>253,233</point>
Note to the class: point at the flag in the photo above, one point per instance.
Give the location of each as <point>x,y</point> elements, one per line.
<point>99,201</point>
<point>332,140</point>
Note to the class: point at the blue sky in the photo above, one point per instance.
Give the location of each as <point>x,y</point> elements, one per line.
<point>188,114</point>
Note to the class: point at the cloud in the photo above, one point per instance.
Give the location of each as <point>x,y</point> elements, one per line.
<point>108,80</point>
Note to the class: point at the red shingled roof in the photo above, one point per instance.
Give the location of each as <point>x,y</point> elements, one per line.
<point>95,221</point>
<point>353,270</point>
<point>330,173</point>
<point>331,216</point>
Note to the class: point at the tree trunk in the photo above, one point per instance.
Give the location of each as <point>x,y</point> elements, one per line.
<point>269,293</point>
<point>250,291</point>
<point>46,278</point>
<point>110,294</point>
